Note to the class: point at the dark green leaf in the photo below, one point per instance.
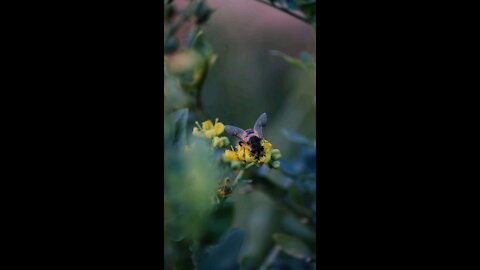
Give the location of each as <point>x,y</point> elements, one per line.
<point>219,222</point>
<point>179,120</point>
<point>292,246</point>
<point>291,4</point>
<point>308,7</point>
<point>223,256</point>
<point>202,46</point>
<point>173,231</point>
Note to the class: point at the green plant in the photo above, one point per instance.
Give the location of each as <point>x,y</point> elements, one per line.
<point>205,173</point>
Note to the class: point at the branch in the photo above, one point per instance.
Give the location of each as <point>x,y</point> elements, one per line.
<point>301,18</point>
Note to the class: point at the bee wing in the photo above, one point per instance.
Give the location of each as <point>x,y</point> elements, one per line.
<point>260,124</point>
<point>234,131</point>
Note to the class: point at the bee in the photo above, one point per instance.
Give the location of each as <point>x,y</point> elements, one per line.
<point>251,137</point>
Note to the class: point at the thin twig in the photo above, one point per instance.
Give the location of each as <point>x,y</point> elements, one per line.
<point>239,176</point>
<point>303,19</point>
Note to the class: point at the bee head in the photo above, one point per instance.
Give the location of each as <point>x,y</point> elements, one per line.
<point>248,134</point>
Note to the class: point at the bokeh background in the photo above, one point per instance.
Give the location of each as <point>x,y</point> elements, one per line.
<point>247,80</point>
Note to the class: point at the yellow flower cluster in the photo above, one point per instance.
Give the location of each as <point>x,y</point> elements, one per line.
<point>243,155</point>
<point>211,130</point>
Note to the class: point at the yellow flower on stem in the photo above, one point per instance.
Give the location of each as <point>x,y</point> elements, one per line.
<point>230,155</point>
<point>212,131</point>
<point>208,129</point>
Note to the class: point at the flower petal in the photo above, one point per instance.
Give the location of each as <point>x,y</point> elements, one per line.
<point>207,125</point>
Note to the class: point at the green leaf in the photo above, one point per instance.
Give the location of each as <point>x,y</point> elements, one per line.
<point>305,62</point>
<point>290,4</point>
<point>179,120</point>
<point>201,45</point>
<point>307,59</point>
<point>173,231</point>
<point>292,246</point>
<point>222,256</point>
<point>218,223</point>
<point>308,7</point>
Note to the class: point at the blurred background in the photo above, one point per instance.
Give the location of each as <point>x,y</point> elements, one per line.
<point>247,80</point>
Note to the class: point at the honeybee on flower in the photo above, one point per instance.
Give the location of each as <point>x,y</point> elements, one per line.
<point>252,147</point>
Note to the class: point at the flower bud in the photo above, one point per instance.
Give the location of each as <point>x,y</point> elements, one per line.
<point>220,142</point>
<point>225,141</point>
<point>217,142</point>
<point>276,164</point>
<point>276,154</point>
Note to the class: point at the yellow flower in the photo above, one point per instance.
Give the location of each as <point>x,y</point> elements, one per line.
<point>230,155</point>
<point>208,129</point>
<point>243,153</point>
<point>211,130</point>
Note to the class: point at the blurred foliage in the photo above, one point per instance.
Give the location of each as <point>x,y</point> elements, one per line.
<point>307,9</point>
<point>218,215</point>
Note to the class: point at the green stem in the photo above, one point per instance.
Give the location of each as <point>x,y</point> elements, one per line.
<point>239,176</point>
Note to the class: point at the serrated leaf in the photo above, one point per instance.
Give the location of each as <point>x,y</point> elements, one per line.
<point>179,120</point>
<point>292,246</point>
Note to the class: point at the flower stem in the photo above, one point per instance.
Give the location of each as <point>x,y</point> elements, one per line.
<point>239,176</point>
